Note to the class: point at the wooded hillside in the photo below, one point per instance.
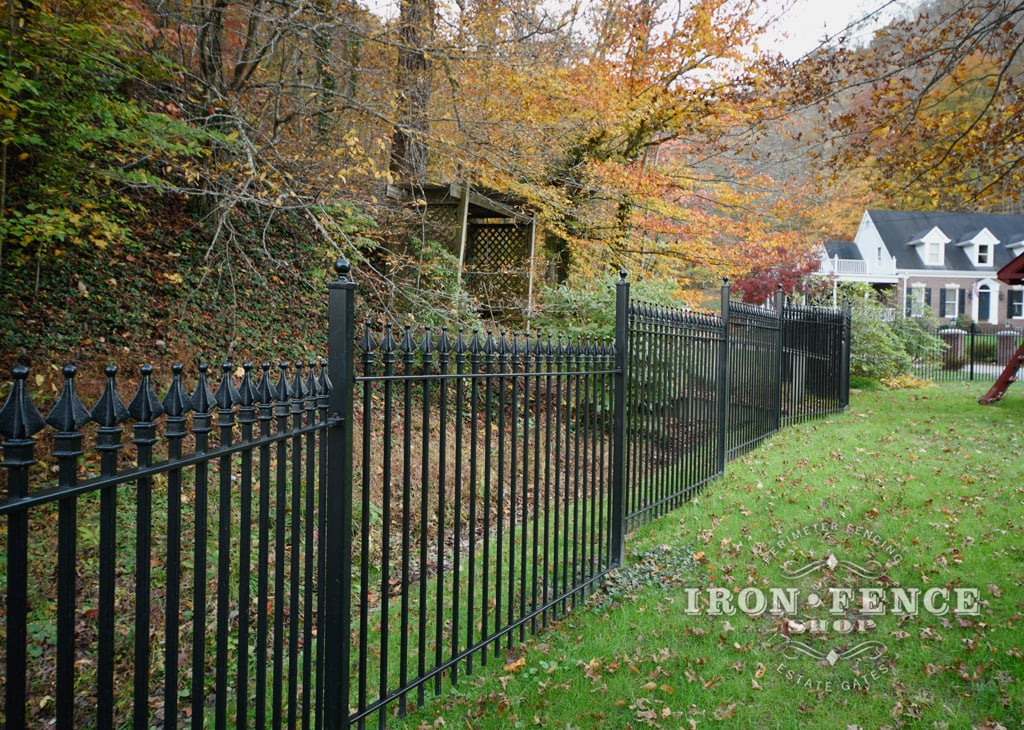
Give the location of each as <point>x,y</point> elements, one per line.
<point>178,176</point>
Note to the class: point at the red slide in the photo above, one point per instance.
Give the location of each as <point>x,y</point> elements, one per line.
<point>1009,375</point>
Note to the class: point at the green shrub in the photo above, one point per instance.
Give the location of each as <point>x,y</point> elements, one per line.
<point>985,349</point>
<point>859,382</point>
<point>586,308</point>
<point>884,344</point>
<point>875,350</point>
<point>916,336</point>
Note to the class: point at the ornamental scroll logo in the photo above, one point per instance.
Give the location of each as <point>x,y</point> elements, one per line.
<point>844,624</point>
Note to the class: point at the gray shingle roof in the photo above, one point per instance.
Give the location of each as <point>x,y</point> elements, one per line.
<point>842,249</point>
<point>899,228</point>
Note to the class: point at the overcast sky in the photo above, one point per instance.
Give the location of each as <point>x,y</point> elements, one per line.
<point>806,22</point>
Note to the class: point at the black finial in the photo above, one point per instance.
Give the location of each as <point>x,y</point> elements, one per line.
<point>342,268</point>
<point>311,381</point>
<point>177,402</point>
<point>247,390</point>
<point>282,391</point>
<point>265,389</point>
<point>324,384</point>
<point>145,406</point>
<point>407,345</point>
<point>623,274</point>
<point>226,395</point>
<point>110,410</point>
<point>19,418</point>
<point>298,384</point>
<point>202,398</point>
<point>69,414</point>
<point>725,279</point>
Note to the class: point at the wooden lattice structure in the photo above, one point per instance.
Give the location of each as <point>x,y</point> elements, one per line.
<point>493,236</point>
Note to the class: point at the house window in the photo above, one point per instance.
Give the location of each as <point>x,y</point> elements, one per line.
<point>917,300</point>
<point>933,253</point>
<point>949,302</point>
<point>1015,306</point>
<point>984,255</point>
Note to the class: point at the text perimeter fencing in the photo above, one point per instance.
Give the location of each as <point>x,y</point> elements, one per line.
<point>322,546</point>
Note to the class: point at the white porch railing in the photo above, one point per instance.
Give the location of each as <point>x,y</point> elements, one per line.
<point>840,267</point>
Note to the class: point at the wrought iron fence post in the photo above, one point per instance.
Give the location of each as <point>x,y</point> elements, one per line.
<point>618,506</point>
<point>974,334</point>
<point>780,303</point>
<point>19,421</point>
<point>337,522</point>
<point>722,387</point>
<point>844,356</point>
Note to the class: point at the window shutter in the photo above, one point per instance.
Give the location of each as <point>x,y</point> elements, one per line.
<point>909,295</point>
<point>928,296</point>
<point>942,302</point>
<point>963,302</point>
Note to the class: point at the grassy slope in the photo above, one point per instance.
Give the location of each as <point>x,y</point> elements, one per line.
<point>933,475</point>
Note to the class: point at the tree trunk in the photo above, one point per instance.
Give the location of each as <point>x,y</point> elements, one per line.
<point>409,141</point>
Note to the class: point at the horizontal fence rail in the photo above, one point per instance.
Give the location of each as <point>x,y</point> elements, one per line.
<point>273,550</point>
<point>170,573</point>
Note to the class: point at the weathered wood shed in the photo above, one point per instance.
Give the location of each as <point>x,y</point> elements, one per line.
<point>492,235</point>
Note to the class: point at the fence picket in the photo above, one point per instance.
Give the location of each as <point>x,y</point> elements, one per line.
<point>414,505</point>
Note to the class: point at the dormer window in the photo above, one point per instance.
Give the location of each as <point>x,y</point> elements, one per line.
<point>932,246</point>
<point>979,246</point>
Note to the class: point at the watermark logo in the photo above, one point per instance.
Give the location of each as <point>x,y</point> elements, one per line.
<point>829,609</point>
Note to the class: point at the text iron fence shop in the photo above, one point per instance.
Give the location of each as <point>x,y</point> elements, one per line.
<point>323,544</point>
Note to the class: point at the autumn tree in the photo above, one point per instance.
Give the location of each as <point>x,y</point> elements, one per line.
<point>414,83</point>
<point>646,117</point>
<point>932,106</point>
<point>77,139</point>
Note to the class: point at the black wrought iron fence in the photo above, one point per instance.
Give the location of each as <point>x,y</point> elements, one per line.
<point>705,388</point>
<point>170,577</point>
<point>281,551</point>
<point>971,351</point>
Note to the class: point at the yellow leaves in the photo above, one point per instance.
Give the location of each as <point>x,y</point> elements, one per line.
<point>515,665</point>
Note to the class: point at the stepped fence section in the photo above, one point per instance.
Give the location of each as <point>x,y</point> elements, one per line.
<point>324,544</point>
<point>703,389</point>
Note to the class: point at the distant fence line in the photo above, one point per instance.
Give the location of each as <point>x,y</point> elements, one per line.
<point>321,543</point>
<point>971,351</point>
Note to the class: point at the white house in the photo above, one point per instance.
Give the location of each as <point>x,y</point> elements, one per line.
<point>945,261</point>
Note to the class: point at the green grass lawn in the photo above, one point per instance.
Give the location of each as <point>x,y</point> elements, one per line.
<point>912,495</point>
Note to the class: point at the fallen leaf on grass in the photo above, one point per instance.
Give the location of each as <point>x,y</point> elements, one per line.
<point>725,712</point>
